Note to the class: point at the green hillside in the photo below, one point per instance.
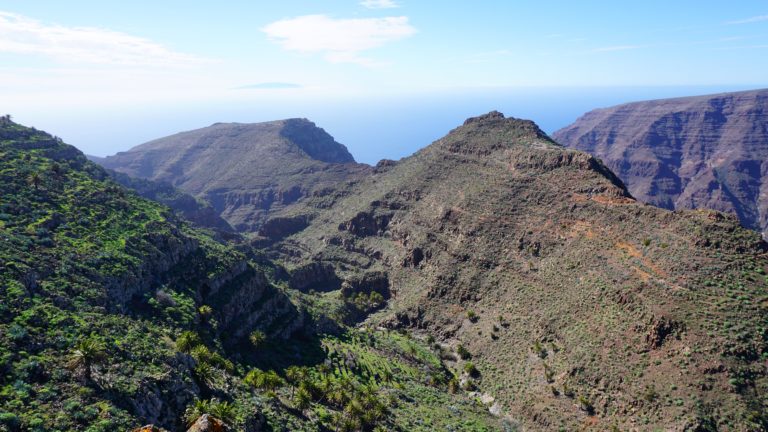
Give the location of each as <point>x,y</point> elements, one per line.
<point>115,314</point>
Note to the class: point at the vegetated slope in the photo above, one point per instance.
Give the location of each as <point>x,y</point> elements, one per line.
<point>248,172</point>
<point>185,205</point>
<point>694,152</point>
<point>114,314</point>
<point>577,307</point>
<point>85,261</point>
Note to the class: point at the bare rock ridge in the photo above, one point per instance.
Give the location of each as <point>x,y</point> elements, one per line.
<point>694,152</point>
<point>580,307</point>
<point>249,173</point>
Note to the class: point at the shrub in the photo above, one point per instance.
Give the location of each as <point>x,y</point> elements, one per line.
<point>471,369</point>
<point>463,352</point>
<point>453,385</point>
<point>586,405</point>
<point>9,420</point>
<point>472,316</point>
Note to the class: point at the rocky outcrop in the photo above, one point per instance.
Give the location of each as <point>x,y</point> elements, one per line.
<point>367,283</point>
<point>696,152</point>
<point>315,275</point>
<point>315,142</point>
<point>158,400</point>
<point>244,300</point>
<point>368,223</point>
<point>170,249</point>
<point>208,423</point>
<point>277,228</point>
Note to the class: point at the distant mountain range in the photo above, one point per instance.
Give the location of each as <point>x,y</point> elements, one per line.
<point>694,152</point>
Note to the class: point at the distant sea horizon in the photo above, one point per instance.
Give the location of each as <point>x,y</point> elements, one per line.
<point>372,128</point>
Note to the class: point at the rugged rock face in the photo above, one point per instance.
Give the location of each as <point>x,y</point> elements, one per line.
<point>207,423</point>
<point>694,152</point>
<point>249,173</point>
<point>571,298</point>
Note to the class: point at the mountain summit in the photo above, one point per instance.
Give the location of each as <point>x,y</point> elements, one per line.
<point>248,172</point>
<point>694,152</point>
<point>569,304</point>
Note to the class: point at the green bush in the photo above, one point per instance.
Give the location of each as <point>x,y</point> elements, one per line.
<point>10,420</point>
<point>463,352</point>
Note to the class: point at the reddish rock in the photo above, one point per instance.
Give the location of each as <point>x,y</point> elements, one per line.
<point>695,152</point>
<point>206,423</point>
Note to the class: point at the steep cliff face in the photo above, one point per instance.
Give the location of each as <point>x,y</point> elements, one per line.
<point>249,173</point>
<point>579,307</point>
<point>695,152</point>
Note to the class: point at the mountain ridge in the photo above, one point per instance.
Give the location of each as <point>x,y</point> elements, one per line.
<point>571,298</point>
<point>248,172</point>
<point>696,152</point>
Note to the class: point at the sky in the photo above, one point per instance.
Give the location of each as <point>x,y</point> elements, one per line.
<point>385,77</point>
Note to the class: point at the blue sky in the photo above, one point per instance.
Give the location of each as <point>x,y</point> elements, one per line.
<point>109,75</point>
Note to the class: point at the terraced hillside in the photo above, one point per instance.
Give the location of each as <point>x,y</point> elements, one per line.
<point>114,314</point>
<point>568,304</point>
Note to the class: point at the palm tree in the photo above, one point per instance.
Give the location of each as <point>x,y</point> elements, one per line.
<point>303,399</point>
<point>188,341</point>
<point>294,375</point>
<point>263,380</point>
<point>35,180</point>
<point>257,337</point>
<point>87,353</point>
<point>206,374</point>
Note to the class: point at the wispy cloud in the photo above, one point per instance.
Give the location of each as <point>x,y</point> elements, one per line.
<point>379,4</point>
<point>340,40</point>
<point>269,86</point>
<point>732,38</point>
<point>617,48</point>
<point>753,19</point>
<point>23,35</point>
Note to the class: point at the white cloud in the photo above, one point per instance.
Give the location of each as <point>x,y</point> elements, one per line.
<point>753,19</point>
<point>379,4</point>
<point>341,40</point>
<point>23,35</point>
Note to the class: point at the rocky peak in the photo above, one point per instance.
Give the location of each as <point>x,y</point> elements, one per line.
<point>315,141</point>
<point>491,132</point>
<point>491,116</point>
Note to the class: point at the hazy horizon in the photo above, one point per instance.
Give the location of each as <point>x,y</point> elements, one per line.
<point>390,128</point>
<point>384,77</point>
